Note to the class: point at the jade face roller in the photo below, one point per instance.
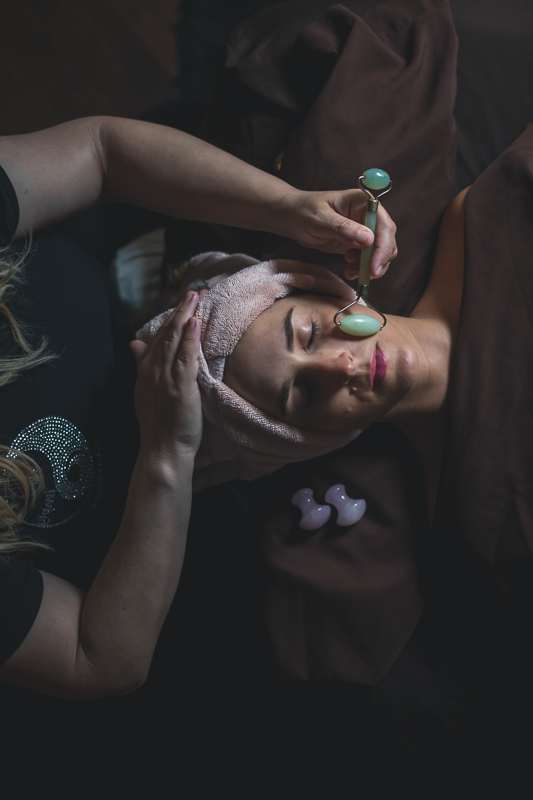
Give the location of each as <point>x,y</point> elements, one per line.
<point>362,324</point>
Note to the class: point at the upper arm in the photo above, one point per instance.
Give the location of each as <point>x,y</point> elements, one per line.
<point>50,659</point>
<point>55,173</point>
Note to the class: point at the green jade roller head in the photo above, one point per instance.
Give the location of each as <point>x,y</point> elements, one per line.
<point>373,180</point>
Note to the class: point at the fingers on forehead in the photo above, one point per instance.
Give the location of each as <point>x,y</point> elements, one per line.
<point>185,306</point>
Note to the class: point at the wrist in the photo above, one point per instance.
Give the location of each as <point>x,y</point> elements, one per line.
<point>283,213</point>
<point>165,468</point>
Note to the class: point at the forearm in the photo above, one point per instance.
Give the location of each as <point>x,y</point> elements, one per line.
<point>127,603</point>
<point>171,172</point>
<point>64,170</point>
<point>91,645</point>
<point>74,166</point>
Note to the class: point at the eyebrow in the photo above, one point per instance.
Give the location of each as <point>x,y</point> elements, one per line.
<point>289,332</point>
<point>289,337</point>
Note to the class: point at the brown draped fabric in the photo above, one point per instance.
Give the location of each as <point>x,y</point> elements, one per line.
<point>342,602</point>
<point>340,88</point>
<point>486,493</point>
<point>356,91</point>
<point>340,93</point>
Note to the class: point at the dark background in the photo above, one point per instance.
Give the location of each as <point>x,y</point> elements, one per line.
<point>61,59</point>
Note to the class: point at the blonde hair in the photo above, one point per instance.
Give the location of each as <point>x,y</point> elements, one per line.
<point>21,478</point>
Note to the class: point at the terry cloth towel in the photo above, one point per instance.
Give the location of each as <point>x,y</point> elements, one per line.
<point>239,440</point>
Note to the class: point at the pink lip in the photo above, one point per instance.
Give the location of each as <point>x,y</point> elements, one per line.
<point>380,361</point>
<point>373,368</point>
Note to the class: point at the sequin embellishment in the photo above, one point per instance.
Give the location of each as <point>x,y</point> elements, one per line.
<point>68,468</point>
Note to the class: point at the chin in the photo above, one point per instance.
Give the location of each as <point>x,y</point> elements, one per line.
<point>408,369</point>
<point>405,377</point>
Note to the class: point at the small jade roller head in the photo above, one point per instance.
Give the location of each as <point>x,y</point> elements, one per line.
<point>359,324</point>
<point>377,180</point>
<point>372,181</point>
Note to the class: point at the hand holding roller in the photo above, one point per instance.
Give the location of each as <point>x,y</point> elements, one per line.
<point>364,324</point>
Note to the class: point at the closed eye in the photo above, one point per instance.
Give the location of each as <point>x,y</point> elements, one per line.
<point>315,328</point>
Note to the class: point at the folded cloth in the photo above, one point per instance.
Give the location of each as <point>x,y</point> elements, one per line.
<point>239,439</point>
<point>339,89</point>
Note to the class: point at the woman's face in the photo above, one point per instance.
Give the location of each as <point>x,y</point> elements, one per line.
<point>295,364</point>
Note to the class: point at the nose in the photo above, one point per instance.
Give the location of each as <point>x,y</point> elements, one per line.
<point>339,367</point>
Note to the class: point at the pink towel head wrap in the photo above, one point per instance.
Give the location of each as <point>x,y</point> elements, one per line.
<point>240,440</point>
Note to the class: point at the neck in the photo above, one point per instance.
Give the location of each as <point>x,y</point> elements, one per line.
<point>433,328</point>
<point>421,414</point>
<point>432,343</point>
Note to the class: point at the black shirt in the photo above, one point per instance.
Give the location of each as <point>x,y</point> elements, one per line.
<point>74,415</point>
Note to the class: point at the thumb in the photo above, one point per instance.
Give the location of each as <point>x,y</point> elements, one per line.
<point>138,349</point>
<point>350,232</point>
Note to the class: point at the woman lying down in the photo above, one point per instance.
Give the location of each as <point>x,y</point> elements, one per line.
<point>280,382</point>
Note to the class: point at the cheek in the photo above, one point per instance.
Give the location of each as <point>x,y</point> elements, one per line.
<point>346,412</point>
<point>342,414</point>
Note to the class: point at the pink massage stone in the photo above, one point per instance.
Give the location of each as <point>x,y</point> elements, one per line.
<point>348,511</point>
<point>313,515</point>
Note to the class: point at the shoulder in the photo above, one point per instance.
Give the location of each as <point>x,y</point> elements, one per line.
<point>442,298</point>
<point>456,209</point>
<point>449,258</point>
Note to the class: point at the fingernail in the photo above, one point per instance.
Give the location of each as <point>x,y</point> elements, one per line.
<point>379,270</point>
<point>192,322</point>
<point>364,237</point>
<point>189,297</point>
